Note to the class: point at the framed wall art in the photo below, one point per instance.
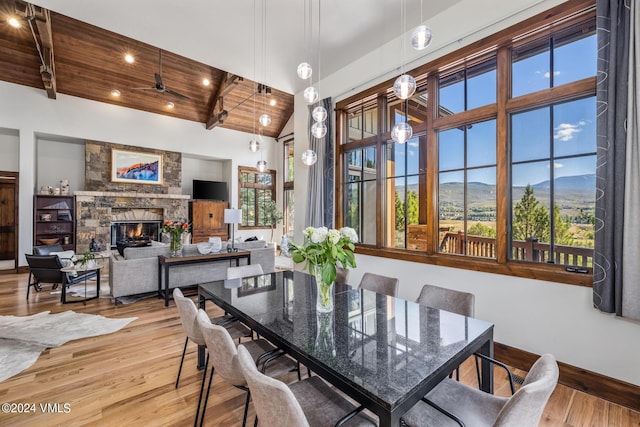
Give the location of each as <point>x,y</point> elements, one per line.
<point>136,167</point>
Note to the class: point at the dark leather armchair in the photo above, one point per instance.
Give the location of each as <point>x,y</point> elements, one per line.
<point>47,269</point>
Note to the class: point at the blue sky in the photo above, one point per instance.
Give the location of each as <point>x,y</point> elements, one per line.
<point>568,128</point>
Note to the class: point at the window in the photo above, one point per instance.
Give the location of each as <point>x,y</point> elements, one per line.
<point>499,175</point>
<point>553,183</point>
<point>467,189</point>
<point>288,194</point>
<point>360,193</point>
<point>255,189</point>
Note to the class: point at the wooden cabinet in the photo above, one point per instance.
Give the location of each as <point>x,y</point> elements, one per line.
<point>54,221</point>
<point>207,220</point>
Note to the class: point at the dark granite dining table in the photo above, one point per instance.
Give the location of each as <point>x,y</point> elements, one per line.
<point>384,352</point>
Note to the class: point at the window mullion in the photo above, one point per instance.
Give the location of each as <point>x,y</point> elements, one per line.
<point>432,167</point>
<point>503,175</point>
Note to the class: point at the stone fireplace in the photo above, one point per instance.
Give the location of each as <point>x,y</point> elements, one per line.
<point>106,202</point>
<point>98,211</point>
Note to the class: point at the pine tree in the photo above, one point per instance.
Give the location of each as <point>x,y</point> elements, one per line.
<point>530,219</point>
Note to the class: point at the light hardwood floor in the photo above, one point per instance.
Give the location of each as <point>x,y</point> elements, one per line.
<point>127,378</point>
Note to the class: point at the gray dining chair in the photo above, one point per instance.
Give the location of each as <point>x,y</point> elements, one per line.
<point>188,311</point>
<point>458,302</point>
<point>452,403</point>
<point>342,275</point>
<point>310,402</point>
<point>223,354</point>
<point>244,271</point>
<point>380,284</point>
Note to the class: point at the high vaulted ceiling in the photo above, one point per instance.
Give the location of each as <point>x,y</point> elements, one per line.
<point>198,38</point>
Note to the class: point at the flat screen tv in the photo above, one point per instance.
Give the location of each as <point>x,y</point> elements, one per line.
<point>210,190</point>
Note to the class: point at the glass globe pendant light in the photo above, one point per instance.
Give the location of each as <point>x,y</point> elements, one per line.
<point>319,129</point>
<point>311,95</point>
<point>261,165</point>
<point>304,70</point>
<point>265,120</point>
<point>404,86</point>
<point>401,132</point>
<point>421,37</point>
<point>309,157</point>
<point>319,114</point>
<point>254,145</point>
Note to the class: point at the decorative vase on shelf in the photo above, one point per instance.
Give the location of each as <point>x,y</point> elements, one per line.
<point>324,294</point>
<point>175,246</point>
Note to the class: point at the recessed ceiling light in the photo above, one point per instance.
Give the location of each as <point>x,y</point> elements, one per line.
<point>272,102</point>
<point>170,105</point>
<point>13,21</point>
<point>115,92</point>
<point>206,82</point>
<point>129,59</point>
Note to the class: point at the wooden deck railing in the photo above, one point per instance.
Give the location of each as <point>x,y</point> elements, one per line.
<point>529,250</point>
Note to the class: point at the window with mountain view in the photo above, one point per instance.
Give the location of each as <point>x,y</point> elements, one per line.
<point>553,165</point>
<point>499,175</point>
<point>467,189</point>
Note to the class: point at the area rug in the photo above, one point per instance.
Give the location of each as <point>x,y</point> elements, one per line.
<point>23,338</point>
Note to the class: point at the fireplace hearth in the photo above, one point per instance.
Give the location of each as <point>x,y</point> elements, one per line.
<point>133,233</point>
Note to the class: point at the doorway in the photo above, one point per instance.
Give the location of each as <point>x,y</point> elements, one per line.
<point>8,221</point>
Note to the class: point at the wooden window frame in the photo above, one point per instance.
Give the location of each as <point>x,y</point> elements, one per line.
<point>570,15</point>
<point>257,186</point>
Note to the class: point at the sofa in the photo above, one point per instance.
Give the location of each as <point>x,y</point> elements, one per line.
<point>136,271</point>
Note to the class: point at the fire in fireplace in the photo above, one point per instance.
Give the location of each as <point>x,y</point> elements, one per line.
<point>132,233</point>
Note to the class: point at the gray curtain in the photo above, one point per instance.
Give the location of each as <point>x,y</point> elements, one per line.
<point>320,198</point>
<point>616,193</point>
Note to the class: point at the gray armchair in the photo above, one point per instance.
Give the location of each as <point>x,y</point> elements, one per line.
<point>452,403</point>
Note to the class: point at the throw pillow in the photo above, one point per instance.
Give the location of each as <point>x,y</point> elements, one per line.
<point>66,257</point>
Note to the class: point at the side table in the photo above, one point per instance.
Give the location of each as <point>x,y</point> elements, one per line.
<point>82,269</point>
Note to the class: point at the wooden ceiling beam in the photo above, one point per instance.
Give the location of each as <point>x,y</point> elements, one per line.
<point>227,83</point>
<point>44,43</point>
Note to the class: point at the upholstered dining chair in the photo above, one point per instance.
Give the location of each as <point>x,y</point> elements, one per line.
<point>452,403</point>
<point>458,302</point>
<point>244,271</point>
<point>310,402</point>
<point>224,361</point>
<point>188,313</point>
<point>380,284</point>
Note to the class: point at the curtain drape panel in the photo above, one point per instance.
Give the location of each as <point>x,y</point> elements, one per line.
<point>615,183</point>
<point>320,193</point>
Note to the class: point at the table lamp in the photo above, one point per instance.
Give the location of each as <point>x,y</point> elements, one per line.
<point>233,216</point>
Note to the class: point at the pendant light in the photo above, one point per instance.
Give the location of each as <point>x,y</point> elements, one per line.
<point>254,145</point>
<point>403,88</point>
<point>319,129</point>
<point>319,114</point>
<point>405,85</point>
<point>421,35</point>
<point>264,119</point>
<point>309,157</point>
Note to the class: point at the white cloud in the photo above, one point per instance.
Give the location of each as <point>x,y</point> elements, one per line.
<point>566,131</point>
<point>548,74</point>
<point>556,166</point>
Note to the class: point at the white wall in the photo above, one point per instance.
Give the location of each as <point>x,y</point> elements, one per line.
<point>29,112</point>
<point>203,169</point>
<point>9,147</point>
<point>57,160</point>
<point>532,315</point>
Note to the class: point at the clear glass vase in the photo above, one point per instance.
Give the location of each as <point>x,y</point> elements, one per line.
<point>324,294</point>
<point>175,246</point>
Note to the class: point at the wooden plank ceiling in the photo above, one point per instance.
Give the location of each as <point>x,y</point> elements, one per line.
<point>89,63</point>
